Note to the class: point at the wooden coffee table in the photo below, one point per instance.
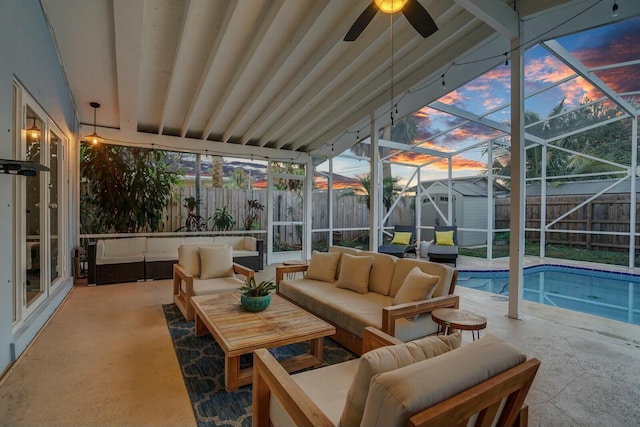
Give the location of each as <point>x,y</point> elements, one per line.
<point>455,318</point>
<point>240,332</point>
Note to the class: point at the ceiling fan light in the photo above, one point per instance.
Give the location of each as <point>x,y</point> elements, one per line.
<point>390,6</point>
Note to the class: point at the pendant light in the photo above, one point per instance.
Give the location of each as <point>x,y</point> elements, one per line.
<point>94,137</point>
<point>34,131</point>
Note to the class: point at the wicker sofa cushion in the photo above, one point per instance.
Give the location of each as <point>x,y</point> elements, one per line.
<point>386,359</point>
<point>395,396</point>
<point>238,242</point>
<point>162,248</point>
<point>119,251</point>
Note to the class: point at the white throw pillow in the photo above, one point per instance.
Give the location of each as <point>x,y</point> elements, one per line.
<point>216,261</point>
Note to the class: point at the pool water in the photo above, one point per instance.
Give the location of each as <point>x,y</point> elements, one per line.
<point>601,293</point>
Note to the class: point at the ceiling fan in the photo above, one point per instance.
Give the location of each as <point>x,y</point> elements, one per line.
<point>417,16</point>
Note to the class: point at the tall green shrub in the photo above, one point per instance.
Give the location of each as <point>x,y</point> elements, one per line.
<point>127,189</point>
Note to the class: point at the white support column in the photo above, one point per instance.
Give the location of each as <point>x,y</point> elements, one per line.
<point>634,195</point>
<point>450,194</point>
<point>491,203</point>
<point>374,190</point>
<point>543,203</point>
<point>516,247</point>
<point>330,191</point>
<point>308,217</point>
<point>269,207</point>
<point>418,204</point>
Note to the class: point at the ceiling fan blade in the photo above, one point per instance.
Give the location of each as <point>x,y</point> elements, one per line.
<point>361,23</point>
<point>419,18</point>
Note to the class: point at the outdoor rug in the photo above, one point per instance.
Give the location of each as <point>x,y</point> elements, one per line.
<point>202,364</point>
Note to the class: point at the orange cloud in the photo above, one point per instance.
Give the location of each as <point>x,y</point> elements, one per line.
<point>459,162</point>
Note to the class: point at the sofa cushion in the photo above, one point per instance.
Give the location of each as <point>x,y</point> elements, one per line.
<point>381,271</point>
<point>417,286</point>
<point>114,248</point>
<point>216,286</point>
<point>386,359</point>
<point>350,310</point>
<point>397,395</point>
<point>199,240</point>
<point>242,253</point>
<point>238,242</point>
<point>164,245</point>
<point>189,259</point>
<point>216,261</point>
<point>354,273</point>
<point>161,256</point>
<point>315,384</point>
<point>405,265</point>
<point>343,250</point>
<point>323,266</point>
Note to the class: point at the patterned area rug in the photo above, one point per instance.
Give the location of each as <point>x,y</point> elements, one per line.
<point>202,363</point>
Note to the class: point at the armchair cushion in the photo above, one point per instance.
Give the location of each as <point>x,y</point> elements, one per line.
<point>444,238</point>
<point>189,259</point>
<point>323,266</point>
<point>395,396</point>
<point>216,261</point>
<point>388,359</point>
<point>417,286</point>
<point>354,273</point>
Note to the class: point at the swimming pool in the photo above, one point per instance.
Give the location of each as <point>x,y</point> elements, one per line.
<point>601,293</point>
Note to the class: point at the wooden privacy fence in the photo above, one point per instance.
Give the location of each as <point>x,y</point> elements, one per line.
<point>348,212</point>
<point>609,213</point>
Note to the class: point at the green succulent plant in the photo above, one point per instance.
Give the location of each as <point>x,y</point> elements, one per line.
<point>253,289</point>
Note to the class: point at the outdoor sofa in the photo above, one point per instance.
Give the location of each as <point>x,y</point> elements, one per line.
<point>353,289</point>
<point>133,259</point>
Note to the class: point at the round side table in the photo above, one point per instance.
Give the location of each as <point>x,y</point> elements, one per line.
<point>455,318</point>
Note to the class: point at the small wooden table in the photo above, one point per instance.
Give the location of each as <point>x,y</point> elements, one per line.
<point>455,318</point>
<point>239,332</point>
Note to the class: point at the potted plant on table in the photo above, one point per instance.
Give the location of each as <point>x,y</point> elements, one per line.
<point>256,296</point>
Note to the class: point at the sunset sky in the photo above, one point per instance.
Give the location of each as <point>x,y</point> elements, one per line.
<point>598,47</point>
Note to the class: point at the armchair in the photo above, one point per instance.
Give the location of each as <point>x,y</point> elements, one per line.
<point>204,270</point>
<point>444,249</point>
<point>402,245</point>
<point>484,381</point>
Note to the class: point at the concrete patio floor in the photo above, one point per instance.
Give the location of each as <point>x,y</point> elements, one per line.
<point>106,358</point>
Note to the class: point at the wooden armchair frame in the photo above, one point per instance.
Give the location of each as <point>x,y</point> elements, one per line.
<point>389,314</point>
<point>485,399</point>
<point>182,297</point>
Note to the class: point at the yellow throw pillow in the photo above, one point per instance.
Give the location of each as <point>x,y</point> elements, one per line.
<point>401,238</point>
<point>354,273</point>
<point>444,238</point>
<point>323,266</point>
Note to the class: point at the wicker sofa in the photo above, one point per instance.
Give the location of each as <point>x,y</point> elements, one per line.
<point>351,295</point>
<point>134,259</point>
